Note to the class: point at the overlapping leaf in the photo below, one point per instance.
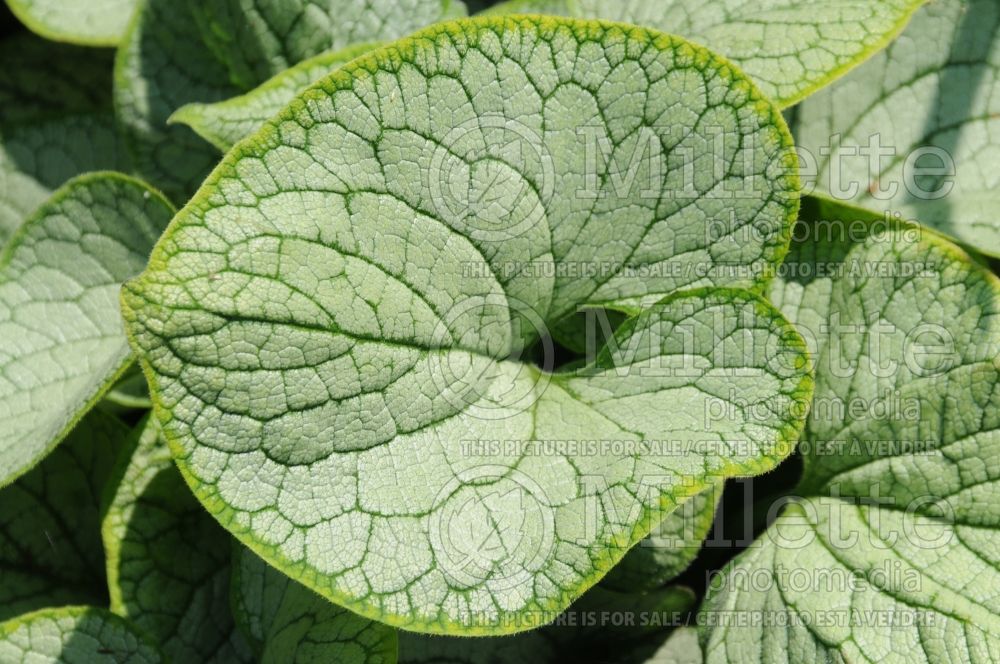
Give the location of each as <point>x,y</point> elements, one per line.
<point>41,80</point>
<point>168,560</point>
<point>77,634</point>
<point>55,122</point>
<point>85,22</point>
<point>331,325</point>
<point>37,158</point>
<point>527,648</point>
<point>790,47</point>
<point>289,624</point>
<point>914,130</point>
<point>224,123</point>
<point>50,545</point>
<point>680,648</point>
<point>603,625</point>
<point>891,553</point>
<point>669,549</point>
<point>62,340</point>
<point>256,40</point>
<point>176,53</point>
<point>129,393</point>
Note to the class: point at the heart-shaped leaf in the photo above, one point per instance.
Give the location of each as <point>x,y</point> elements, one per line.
<point>333,329</point>
<point>790,47</point>
<point>75,634</point>
<point>167,559</point>
<point>176,53</point>
<point>913,131</point>
<point>890,553</point>
<point>85,22</point>
<point>63,344</point>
